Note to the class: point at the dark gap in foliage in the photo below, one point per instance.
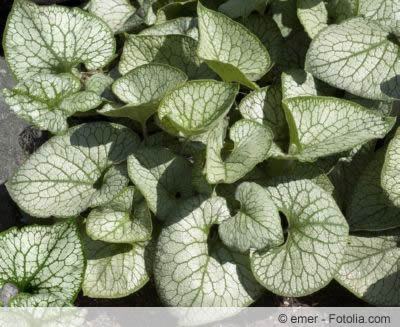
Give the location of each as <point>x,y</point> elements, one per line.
<point>393,38</point>
<point>339,93</point>
<point>227,149</point>
<point>379,144</point>
<point>212,239</point>
<point>30,289</point>
<point>145,297</point>
<point>331,18</point>
<point>5,6</point>
<point>100,181</point>
<point>284,224</point>
<point>31,138</point>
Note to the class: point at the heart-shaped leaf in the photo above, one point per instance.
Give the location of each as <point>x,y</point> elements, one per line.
<point>55,39</point>
<point>187,268</point>
<point>114,270</point>
<point>157,173</point>
<point>142,89</point>
<point>231,50</point>
<point>321,126</point>
<point>257,224</point>
<point>121,220</point>
<point>177,51</point>
<point>315,244</point>
<point>44,260</point>
<point>358,57</point>
<point>47,100</point>
<point>252,143</point>
<point>196,106</point>
<point>54,182</point>
<point>370,268</point>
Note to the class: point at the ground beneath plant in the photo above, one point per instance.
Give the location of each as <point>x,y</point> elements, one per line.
<point>333,295</point>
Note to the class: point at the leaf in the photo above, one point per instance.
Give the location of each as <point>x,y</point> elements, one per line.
<point>43,260</point>
<point>359,57</point>
<point>114,12</point>
<point>146,11</point>
<point>264,106</point>
<point>199,179</point>
<point>341,10</point>
<point>196,106</point>
<point>142,89</point>
<point>369,207</point>
<point>101,85</point>
<point>231,50</point>
<point>55,182</point>
<point>370,268</point>
<point>24,300</point>
<point>297,83</point>
<point>383,107</point>
<point>237,8</point>
<point>345,174</point>
<point>316,239</point>
<point>175,50</point>
<point>120,221</point>
<point>390,171</point>
<point>188,271</point>
<point>321,126</point>
<point>297,170</point>
<point>384,11</point>
<point>178,26</point>
<point>313,15</point>
<point>114,270</point>
<point>252,143</point>
<point>159,79</point>
<point>55,39</point>
<point>284,13</point>
<point>269,34</point>
<point>157,173</point>
<point>47,100</point>
<point>257,224</point>
<point>112,181</point>
<point>175,10</point>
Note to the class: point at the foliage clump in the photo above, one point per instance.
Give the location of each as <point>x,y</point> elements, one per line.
<point>175,119</point>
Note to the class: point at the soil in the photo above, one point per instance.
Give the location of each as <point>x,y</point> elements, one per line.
<point>333,295</point>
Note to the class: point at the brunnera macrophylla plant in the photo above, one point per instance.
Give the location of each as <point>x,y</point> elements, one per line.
<point>219,147</point>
